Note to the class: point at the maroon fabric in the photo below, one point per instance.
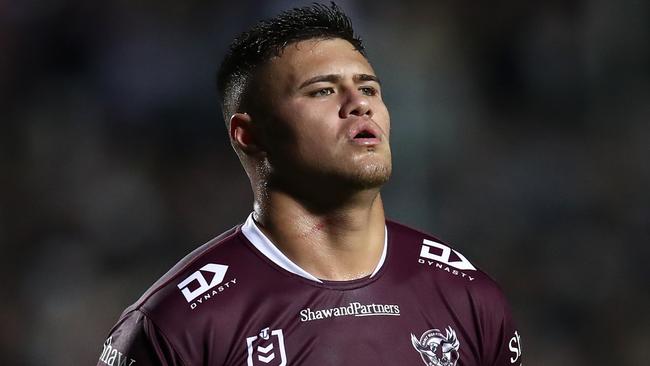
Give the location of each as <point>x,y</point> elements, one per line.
<point>227,304</point>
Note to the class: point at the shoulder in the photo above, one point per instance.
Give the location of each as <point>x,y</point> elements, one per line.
<point>439,261</point>
<point>196,273</point>
<point>134,339</point>
<point>196,294</point>
<point>434,266</point>
<point>455,286</point>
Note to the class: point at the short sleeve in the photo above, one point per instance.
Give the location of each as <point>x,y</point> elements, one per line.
<point>503,340</point>
<point>136,341</point>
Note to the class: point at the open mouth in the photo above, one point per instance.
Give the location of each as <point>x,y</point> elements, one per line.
<point>365,134</point>
<point>366,137</point>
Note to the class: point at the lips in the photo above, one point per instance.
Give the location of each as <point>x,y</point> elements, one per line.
<point>364,133</point>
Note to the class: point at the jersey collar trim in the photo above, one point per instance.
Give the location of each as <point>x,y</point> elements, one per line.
<point>270,251</point>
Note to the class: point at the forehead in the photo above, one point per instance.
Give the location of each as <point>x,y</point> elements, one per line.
<point>305,59</point>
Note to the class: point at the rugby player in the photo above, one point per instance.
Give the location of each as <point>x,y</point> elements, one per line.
<point>316,275</point>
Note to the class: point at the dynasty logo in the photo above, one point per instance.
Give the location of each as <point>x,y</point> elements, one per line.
<point>196,287</point>
<point>442,257</point>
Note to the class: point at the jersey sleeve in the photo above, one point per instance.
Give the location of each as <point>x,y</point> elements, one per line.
<point>501,336</point>
<point>136,341</point>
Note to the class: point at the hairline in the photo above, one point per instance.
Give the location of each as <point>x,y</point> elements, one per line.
<point>245,82</point>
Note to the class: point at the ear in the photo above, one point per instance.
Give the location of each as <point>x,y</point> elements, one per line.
<point>242,134</point>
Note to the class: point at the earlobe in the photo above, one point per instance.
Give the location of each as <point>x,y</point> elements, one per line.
<point>241,133</point>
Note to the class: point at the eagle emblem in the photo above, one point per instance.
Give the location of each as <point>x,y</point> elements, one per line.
<point>436,348</point>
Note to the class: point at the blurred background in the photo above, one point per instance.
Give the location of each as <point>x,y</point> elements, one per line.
<point>521,135</point>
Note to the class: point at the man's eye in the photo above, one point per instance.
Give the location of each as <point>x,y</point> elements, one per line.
<point>368,90</point>
<point>322,92</point>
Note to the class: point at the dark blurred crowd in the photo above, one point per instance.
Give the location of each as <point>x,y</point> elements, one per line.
<point>521,135</point>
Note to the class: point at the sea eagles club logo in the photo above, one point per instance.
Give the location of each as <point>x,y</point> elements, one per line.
<point>437,349</point>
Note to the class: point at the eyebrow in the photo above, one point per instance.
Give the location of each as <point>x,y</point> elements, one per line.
<point>333,78</point>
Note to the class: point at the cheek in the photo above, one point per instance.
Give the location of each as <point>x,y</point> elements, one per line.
<point>316,136</point>
<point>315,115</point>
<point>305,125</point>
<point>382,117</point>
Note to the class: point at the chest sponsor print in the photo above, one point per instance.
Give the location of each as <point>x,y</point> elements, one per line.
<point>353,309</point>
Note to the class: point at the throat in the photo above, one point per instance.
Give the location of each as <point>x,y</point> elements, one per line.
<point>338,246</point>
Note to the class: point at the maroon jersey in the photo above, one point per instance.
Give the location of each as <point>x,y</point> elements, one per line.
<point>237,300</point>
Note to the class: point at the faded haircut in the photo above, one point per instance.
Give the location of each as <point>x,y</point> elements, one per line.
<point>268,39</point>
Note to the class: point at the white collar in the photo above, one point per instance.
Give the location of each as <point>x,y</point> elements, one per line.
<point>270,251</point>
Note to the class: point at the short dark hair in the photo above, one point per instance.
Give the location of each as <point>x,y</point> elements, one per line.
<point>269,38</point>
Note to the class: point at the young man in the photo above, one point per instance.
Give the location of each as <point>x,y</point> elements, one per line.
<point>316,275</point>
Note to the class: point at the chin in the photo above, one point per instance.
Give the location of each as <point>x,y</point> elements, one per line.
<point>370,176</point>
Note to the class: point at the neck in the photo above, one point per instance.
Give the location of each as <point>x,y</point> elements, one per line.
<point>337,242</point>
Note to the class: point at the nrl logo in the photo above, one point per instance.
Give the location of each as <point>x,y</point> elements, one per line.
<point>437,349</point>
<point>266,348</point>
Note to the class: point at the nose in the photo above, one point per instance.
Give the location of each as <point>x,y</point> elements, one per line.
<point>356,104</point>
